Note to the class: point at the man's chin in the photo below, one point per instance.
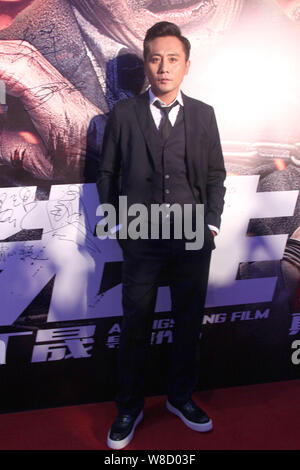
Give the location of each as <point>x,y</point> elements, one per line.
<point>163,91</point>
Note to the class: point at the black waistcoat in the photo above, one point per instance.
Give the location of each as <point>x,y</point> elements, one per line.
<point>169,180</point>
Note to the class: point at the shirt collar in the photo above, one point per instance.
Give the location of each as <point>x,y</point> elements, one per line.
<point>153,98</point>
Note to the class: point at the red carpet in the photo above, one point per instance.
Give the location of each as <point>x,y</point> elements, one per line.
<point>257,417</point>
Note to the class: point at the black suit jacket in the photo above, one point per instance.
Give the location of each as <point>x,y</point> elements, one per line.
<point>128,156</point>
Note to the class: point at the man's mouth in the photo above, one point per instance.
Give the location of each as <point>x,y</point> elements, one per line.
<point>165,5</point>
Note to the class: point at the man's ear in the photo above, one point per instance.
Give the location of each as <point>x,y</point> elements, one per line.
<point>187,66</point>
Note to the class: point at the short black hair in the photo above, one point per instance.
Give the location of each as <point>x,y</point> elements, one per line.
<point>165,28</point>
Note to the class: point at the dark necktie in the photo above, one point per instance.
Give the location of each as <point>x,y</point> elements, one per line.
<point>165,125</point>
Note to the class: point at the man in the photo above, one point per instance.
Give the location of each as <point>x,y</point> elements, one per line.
<point>184,167</point>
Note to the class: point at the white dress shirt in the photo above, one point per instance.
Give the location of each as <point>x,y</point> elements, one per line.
<point>158,114</point>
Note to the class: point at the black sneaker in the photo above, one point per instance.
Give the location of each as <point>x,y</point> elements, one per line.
<point>122,430</point>
<point>192,416</point>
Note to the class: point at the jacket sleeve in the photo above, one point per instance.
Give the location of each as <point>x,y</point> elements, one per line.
<point>215,189</point>
<point>110,159</point>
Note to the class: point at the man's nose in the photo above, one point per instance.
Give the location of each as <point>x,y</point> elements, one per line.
<point>163,66</point>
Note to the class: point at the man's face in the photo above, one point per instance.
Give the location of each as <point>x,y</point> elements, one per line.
<point>166,66</point>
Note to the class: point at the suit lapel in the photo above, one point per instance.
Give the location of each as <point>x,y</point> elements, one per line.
<point>144,118</point>
<point>191,134</point>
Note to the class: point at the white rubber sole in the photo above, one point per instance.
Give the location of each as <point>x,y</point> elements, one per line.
<point>205,427</point>
<point>117,445</point>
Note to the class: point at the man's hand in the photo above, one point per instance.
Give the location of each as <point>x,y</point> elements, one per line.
<point>59,113</point>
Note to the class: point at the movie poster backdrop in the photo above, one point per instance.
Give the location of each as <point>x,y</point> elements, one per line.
<point>63,65</point>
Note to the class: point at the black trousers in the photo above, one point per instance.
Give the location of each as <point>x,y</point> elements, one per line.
<point>187,271</point>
